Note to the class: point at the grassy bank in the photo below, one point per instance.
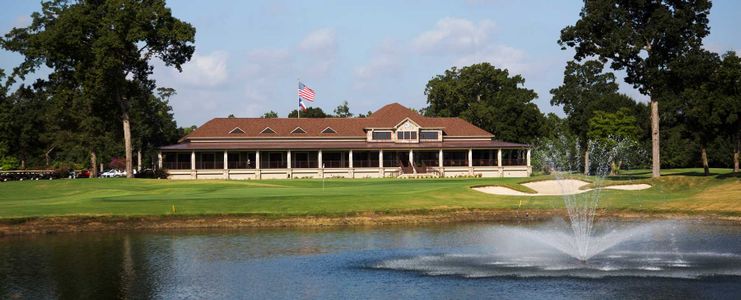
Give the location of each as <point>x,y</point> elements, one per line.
<point>680,191</point>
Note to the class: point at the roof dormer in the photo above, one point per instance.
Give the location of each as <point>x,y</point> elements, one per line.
<point>236,130</point>
<point>267,130</point>
<point>298,130</point>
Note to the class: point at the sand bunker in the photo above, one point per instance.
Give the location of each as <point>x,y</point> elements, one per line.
<point>555,188</point>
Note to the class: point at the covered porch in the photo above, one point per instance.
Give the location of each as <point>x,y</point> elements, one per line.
<point>344,163</point>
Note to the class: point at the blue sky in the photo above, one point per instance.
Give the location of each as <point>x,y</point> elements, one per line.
<point>250,54</point>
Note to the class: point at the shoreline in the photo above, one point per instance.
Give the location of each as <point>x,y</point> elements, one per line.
<point>63,224</point>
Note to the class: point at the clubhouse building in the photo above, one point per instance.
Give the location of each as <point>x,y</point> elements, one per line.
<point>393,142</point>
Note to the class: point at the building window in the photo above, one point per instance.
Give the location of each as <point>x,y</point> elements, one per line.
<point>298,130</point>
<point>328,130</point>
<point>381,135</point>
<point>406,135</point>
<point>428,135</point>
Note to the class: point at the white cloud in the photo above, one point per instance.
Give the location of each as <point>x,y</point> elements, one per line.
<point>385,61</point>
<point>500,56</point>
<point>205,70</point>
<point>454,34</point>
<point>321,47</point>
<point>320,42</point>
<point>463,42</point>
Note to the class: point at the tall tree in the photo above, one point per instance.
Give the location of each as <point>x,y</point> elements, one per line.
<point>617,133</point>
<point>343,110</point>
<point>489,98</point>
<point>695,99</point>
<point>642,37</point>
<point>270,114</point>
<point>585,90</point>
<point>106,46</point>
<point>729,81</point>
<point>310,112</point>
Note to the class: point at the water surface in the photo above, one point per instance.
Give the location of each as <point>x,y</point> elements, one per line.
<point>462,261</point>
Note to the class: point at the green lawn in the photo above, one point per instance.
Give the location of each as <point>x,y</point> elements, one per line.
<point>680,191</point>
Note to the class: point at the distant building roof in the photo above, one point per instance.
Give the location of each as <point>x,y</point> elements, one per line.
<point>386,117</point>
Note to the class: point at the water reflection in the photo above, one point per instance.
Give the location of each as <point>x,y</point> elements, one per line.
<point>329,263</point>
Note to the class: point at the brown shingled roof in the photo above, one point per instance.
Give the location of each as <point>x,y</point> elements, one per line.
<point>387,116</point>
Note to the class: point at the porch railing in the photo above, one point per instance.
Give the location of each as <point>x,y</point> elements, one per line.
<point>173,165</point>
<point>514,162</point>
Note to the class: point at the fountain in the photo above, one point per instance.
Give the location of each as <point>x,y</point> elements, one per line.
<point>577,246</point>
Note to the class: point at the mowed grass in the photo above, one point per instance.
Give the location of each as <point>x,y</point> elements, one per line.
<point>679,191</point>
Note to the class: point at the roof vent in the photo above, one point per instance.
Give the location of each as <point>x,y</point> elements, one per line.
<point>267,130</point>
<point>236,130</point>
<point>328,130</point>
<point>298,130</point>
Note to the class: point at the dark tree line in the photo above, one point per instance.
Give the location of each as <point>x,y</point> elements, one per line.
<point>98,94</point>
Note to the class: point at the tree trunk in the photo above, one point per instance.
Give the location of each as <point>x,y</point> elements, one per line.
<point>46,155</point>
<point>736,153</point>
<point>139,160</point>
<point>704,155</point>
<point>127,144</point>
<point>655,154</point>
<point>586,160</point>
<point>93,165</point>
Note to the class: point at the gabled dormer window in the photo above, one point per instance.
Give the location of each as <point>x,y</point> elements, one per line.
<point>406,135</point>
<point>328,130</point>
<point>298,130</point>
<point>267,130</point>
<point>236,130</point>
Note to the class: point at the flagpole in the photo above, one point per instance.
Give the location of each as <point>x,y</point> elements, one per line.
<point>299,100</point>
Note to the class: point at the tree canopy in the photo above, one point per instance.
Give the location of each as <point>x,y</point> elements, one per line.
<point>99,53</point>
<point>310,112</point>
<point>642,37</point>
<point>489,98</point>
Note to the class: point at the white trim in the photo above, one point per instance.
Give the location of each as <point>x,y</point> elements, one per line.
<point>236,128</point>
<point>330,128</point>
<point>267,128</point>
<point>405,120</point>
<point>298,128</point>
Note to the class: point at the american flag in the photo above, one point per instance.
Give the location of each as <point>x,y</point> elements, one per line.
<point>305,92</point>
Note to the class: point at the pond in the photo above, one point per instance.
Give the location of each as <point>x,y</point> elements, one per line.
<point>462,261</point>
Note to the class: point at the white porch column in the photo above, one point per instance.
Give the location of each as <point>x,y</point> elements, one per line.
<point>528,157</point>
<point>159,161</point>
<point>226,164</point>
<point>288,160</point>
<point>350,161</point>
<point>470,158</point>
<point>381,173</point>
<point>320,164</point>
<point>192,160</point>
<point>257,160</point>
<point>192,164</point>
<point>470,161</point>
<point>499,158</point>
<point>352,171</point>
<point>440,159</point>
<point>319,160</point>
<point>257,165</point>
<point>411,157</point>
<point>380,159</point>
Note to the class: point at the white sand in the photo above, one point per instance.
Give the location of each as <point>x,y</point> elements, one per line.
<point>629,187</point>
<point>555,188</point>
